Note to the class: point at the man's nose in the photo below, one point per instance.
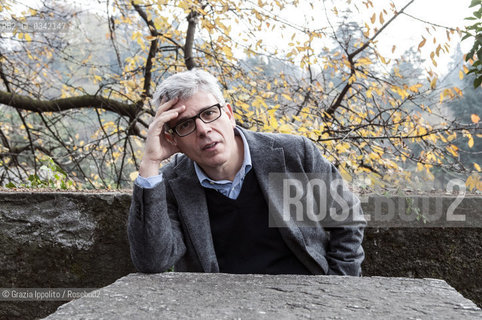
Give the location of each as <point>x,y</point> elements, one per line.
<point>201,127</point>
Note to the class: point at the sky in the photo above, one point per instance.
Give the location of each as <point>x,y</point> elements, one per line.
<point>404,32</point>
<point>407,31</point>
<point>449,13</point>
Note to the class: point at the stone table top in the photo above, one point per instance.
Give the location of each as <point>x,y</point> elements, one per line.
<point>227,296</point>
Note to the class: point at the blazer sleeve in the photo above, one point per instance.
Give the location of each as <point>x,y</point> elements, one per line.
<point>154,231</point>
<point>344,252</point>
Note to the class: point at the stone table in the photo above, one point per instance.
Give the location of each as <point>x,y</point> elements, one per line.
<point>227,296</point>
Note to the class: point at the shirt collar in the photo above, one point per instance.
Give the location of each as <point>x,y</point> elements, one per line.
<point>245,167</point>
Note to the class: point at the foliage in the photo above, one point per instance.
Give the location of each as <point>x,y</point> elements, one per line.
<point>80,97</point>
<point>50,175</point>
<point>475,31</point>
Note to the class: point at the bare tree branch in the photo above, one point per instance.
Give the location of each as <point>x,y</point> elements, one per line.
<point>22,102</point>
<point>367,43</point>
<point>192,19</point>
<point>152,51</point>
<point>337,102</point>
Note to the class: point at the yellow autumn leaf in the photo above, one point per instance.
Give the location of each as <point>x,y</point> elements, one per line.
<point>453,150</point>
<point>273,123</point>
<point>422,43</point>
<point>364,61</point>
<point>284,128</point>
<point>415,87</point>
<point>470,183</point>
<point>384,61</point>
<point>287,97</point>
<point>458,91</point>
<point>471,141</point>
<point>227,51</point>
<point>135,35</point>
<point>345,174</point>
<point>452,136</point>
<point>475,118</point>
<point>477,167</point>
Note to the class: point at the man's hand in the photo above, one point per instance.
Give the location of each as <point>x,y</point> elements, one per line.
<point>157,148</point>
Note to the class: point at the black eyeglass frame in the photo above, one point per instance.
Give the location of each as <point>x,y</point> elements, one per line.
<point>174,131</point>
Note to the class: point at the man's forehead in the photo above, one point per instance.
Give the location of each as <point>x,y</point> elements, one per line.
<point>196,103</point>
<point>193,106</point>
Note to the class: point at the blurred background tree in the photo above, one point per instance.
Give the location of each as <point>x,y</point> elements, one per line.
<point>74,104</point>
<point>474,56</point>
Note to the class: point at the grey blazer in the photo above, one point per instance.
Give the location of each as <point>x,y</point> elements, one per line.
<point>169,225</point>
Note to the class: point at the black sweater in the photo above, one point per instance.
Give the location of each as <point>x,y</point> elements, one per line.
<point>243,241</point>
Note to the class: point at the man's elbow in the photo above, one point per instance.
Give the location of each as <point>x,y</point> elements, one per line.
<point>150,266</point>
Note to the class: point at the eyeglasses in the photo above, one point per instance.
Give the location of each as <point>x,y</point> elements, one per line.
<point>188,126</point>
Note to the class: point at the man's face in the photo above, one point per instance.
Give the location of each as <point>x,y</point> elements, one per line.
<point>212,145</point>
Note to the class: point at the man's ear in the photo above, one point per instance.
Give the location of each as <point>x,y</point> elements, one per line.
<point>229,112</point>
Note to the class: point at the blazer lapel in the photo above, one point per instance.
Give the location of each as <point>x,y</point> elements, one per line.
<point>193,210</point>
<point>268,158</point>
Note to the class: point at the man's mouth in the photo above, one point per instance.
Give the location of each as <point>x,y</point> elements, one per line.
<point>209,146</point>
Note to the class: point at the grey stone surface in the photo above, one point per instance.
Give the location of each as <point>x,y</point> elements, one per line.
<point>225,296</point>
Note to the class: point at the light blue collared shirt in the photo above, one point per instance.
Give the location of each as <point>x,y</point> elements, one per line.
<point>230,189</point>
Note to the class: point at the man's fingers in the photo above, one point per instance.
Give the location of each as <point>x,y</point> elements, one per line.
<point>166,116</point>
<point>170,114</point>
<point>166,106</point>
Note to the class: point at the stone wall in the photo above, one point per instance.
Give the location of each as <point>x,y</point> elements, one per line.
<point>73,240</point>
<point>78,240</point>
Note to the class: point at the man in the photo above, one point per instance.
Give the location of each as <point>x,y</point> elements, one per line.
<point>211,208</point>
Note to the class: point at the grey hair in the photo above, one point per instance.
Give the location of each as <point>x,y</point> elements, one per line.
<point>185,84</point>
